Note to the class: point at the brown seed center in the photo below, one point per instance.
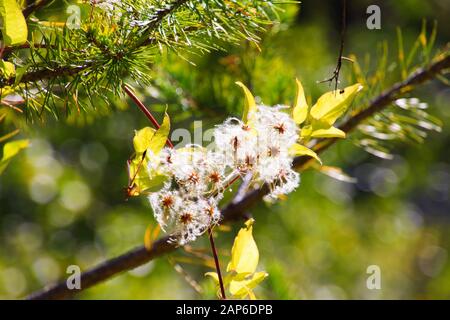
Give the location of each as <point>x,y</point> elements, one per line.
<point>186,218</point>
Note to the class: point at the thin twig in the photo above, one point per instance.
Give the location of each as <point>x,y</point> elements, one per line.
<point>36,5</point>
<point>234,211</point>
<point>337,70</point>
<point>216,262</point>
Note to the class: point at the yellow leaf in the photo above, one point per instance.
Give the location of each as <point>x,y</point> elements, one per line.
<point>5,91</point>
<point>244,254</point>
<point>333,104</point>
<point>250,104</point>
<point>14,27</point>
<point>306,131</point>
<point>241,288</point>
<point>300,110</point>
<point>241,278</point>
<point>300,150</point>
<point>142,180</point>
<point>331,132</point>
<point>149,138</point>
<point>142,139</point>
<point>11,149</point>
<point>151,233</point>
<point>159,139</point>
<point>7,69</point>
<point>214,276</point>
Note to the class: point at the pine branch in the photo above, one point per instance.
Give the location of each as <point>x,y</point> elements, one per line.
<point>236,210</point>
<point>46,73</point>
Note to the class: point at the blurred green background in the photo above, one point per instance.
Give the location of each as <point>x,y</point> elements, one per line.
<point>62,200</point>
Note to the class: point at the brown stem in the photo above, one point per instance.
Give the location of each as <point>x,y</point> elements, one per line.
<point>235,211</point>
<point>144,109</point>
<point>36,5</point>
<point>216,262</point>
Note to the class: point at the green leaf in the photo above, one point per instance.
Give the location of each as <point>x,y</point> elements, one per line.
<point>300,110</point>
<point>300,150</point>
<point>14,29</point>
<point>330,106</point>
<point>250,104</point>
<point>11,149</point>
<point>244,254</point>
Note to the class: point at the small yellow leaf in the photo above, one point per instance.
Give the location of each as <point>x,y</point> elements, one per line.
<point>214,276</point>
<point>149,138</point>
<point>143,181</point>
<point>151,233</point>
<point>244,254</point>
<point>306,132</point>
<point>142,139</point>
<point>159,139</point>
<point>241,288</point>
<point>300,150</point>
<point>11,149</point>
<point>333,104</point>
<point>300,110</point>
<point>331,132</point>
<point>250,104</point>
<point>14,27</point>
<point>7,69</point>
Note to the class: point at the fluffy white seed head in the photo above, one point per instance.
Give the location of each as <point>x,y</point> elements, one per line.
<point>188,204</point>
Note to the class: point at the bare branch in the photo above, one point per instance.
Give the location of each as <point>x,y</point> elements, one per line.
<point>235,210</point>
<point>337,70</point>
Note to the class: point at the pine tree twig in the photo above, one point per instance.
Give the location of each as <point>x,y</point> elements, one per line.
<point>45,73</point>
<point>235,211</point>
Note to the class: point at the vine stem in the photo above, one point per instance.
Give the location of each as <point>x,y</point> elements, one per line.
<point>216,262</point>
<point>155,123</point>
<point>144,109</point>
